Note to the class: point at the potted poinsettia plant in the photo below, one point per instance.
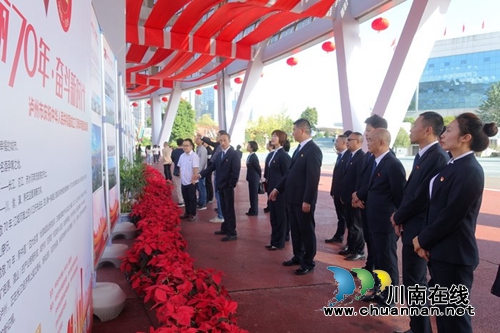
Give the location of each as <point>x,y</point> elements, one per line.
<point>162,272</point>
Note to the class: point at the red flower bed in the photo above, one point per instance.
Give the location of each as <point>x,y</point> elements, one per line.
<point>186,299</point>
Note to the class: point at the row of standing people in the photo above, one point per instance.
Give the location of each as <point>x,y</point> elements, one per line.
<point>434,212</point>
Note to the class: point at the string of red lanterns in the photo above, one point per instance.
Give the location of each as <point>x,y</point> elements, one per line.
<point>164,99</point>
<point>380,24</point>
<point>198,92</point>
<point>134,104</point>
<point>238,80</point>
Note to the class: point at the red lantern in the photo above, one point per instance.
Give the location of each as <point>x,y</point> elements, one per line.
<point>238,80</point>
<point>149,102</point>
<point>292,61</point>
<point>164,99</point>
<point>215,87</point>
<point>380,24</point>
<point>328,46</point>
<point>135,104</point>
<point>198,92</point>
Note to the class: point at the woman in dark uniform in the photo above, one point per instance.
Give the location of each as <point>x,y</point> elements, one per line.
<point>254,173</point>
<point>277,166</point>
<point>448,242</point>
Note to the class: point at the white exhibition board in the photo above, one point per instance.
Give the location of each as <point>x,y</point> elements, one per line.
<point>99,217</point>
<point>45,166</point>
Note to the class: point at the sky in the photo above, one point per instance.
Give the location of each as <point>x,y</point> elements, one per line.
<point>313,81</point>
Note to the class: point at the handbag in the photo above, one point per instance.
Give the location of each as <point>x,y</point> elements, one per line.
<point>262,188</point>
<point>495,289</point>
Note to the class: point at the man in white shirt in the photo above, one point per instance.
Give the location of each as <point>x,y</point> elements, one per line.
<point>188,165</point>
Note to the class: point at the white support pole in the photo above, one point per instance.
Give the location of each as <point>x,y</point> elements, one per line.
<point>424,23</point>
<point>240,116</point>
<point>349,64</point>
<point>170,113</point>
<point>155,118</point>
<point>223,98</point>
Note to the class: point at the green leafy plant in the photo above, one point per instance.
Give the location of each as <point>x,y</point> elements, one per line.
<point>132,182</point>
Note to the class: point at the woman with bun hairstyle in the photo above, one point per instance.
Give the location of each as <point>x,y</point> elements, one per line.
<point>448,241</point>
<point>277,166</point>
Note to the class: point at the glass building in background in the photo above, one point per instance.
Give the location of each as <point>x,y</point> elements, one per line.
<point>458,75</point>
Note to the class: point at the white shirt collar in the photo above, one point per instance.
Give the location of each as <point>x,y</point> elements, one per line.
<point>453,159</point>
<point>303,143</point>
<point>343,152</point>
<point>378,159</point>
<point>426,148</point>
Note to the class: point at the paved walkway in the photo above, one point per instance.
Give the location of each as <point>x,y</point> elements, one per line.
<point>272,299</point>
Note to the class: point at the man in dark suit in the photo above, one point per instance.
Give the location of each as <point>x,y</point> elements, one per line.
<point>227,164</point>
<point>254,173</point>
<point>385,191</point>
<point>338,172</point>
<point>300,186</point>
<point>410,218</point>
<point>355,159</point>
<point>372,122</point>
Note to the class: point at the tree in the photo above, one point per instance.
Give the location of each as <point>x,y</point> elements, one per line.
<point>206,120</point>
<point>448,119</point>
<point>184,126</point>
<point>261,130</point>
<point>489,110</point>
<point>410,120</point>
<point>310,114</point>
<point>402,139</point>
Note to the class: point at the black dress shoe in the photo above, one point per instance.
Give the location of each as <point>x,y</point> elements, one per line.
<point>274,248</point>
<point>409,331</point>
<point>355,256</point>
<point>268,246</point>
<point>303,271</point>
<point>290,262</point>
<point>184,217</point>
<point>229,238</point>
<point>334,240</point>
<point>345,252</point>
<point>220,232</point>
<point>251,214</point>
<point>266,210</point>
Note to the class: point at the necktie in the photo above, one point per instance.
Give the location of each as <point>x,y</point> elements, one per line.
<point>415,161</point>
<point>339,157</point>
<point>223,155</point>
<point>296,152</point>
<point>374,166</point>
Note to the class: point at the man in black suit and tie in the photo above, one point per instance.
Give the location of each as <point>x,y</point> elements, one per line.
<point>355,158</point>
<point>372,122</point>
<point>410,218</point>
<point>300,186</point>
<point>338,172</point>
<point>227,164</point>
<point>383,197</point>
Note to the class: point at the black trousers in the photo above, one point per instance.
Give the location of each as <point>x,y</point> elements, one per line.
<point>210,187</point>
<point>355,239</point>
<point>279,223</point>
<point>385,255</point>
<point>227,205</point>
<point>253,196</point>
<point>302,226</point>
<point>341,223</point>
<point>448,275</point>
<point>167,171</point>
<point>366,235</point>
<point>189,196</point>
<point>415,272</point>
